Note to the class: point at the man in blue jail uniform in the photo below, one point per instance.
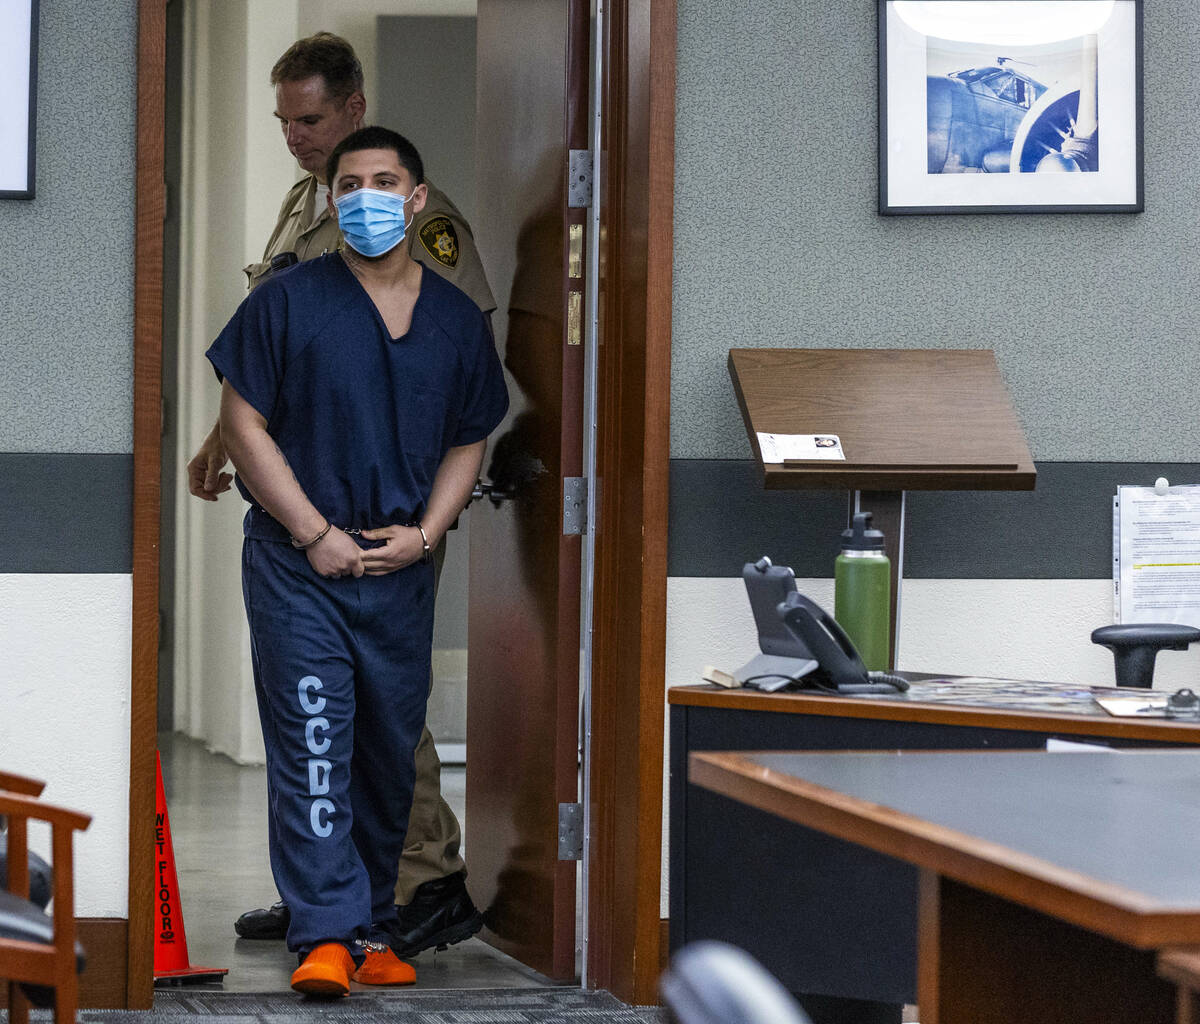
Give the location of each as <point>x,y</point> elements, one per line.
<point>358,392</point>
<point>318,102</point>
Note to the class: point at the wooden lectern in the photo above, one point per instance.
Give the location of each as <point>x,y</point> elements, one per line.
<point>908,419</point>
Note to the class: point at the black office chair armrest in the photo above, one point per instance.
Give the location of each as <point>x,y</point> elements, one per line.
<point>41,878</point>
<point>1136,645</point>
<point>21,919</point>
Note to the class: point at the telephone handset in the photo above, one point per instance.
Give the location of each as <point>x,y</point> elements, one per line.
<point>838,665</point>
<point>800,644</point>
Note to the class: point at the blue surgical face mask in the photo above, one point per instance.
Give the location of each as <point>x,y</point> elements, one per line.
<point>372,221</point>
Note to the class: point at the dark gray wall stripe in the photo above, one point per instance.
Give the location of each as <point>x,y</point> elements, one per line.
<point>66,513</point>
<point>72,513</point>
<point>722,517</point>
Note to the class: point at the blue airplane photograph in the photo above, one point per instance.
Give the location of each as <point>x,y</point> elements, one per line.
<point>978,116</point>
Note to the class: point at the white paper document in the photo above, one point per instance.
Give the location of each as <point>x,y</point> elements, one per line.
<point>779,448</point>
<point>1135,707</point>
<point>1157,556</point>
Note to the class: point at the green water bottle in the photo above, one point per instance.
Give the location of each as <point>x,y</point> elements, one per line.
<point>862,594</point>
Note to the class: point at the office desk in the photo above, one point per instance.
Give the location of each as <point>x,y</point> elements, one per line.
<point>773,886</point>
<point>1047,881</point>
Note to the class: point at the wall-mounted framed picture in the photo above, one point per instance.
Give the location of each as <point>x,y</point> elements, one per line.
<point>18,97</point>
<point>1010,106</point>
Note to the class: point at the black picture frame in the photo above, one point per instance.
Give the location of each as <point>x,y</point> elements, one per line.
<point>18,135</point>
<point>971,140</point>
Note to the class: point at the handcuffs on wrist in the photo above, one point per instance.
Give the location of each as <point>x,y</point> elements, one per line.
<point>426,552</point>
<point>312,543</point>
<point>425,555</point>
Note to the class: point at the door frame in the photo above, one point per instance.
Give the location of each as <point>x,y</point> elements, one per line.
<point>626,937</point>
<point>149,214</point>
<point>626,933</point>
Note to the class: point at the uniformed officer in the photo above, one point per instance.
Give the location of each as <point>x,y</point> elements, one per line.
<point>358,391</point>
<point>319,100</point>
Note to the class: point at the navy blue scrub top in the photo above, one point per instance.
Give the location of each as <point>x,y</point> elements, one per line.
<point>364,419</point>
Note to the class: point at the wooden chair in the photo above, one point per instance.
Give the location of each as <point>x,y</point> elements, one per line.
<point>36,948</point>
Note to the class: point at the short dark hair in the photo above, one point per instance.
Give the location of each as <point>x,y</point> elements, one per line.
<point>322,54</point>
<point>376,137</point>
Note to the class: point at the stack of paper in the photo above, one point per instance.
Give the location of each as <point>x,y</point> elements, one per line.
<point>1156,555</point>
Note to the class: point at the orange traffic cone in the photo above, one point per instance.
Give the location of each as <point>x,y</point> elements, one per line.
<point>171,964</point>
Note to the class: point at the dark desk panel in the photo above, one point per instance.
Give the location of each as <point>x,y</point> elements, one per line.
<point>1063,833</point>
<point>1047,880</point>
<point>779,889</point>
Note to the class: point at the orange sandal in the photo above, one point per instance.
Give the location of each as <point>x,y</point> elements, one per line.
<point>383,967</point>
<point>325,972</point>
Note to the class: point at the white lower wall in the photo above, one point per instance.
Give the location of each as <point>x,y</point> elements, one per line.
<point>1017,629</point>
<point>65,675</point>
<point>65,678</point>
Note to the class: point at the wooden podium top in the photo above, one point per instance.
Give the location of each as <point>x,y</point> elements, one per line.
<point>908,419</point>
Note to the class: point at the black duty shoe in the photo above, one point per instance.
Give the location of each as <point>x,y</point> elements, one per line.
<point>440,914</point>
<point>271,923</point>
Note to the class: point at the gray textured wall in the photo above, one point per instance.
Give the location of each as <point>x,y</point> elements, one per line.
<point>66,263</point>
<point>778,243</point>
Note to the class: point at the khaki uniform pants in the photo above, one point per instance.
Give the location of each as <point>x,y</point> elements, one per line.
<point>432,847</point>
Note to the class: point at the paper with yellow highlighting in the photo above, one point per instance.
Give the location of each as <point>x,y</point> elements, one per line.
<point>1157,557</point>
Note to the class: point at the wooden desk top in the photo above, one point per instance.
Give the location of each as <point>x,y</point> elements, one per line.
<point>995,704</point>
<point>1107,840</point>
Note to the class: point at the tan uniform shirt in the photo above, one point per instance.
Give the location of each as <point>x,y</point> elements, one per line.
<point>439,238</point>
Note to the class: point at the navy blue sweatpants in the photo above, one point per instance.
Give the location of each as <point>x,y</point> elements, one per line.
<point>341,670</point>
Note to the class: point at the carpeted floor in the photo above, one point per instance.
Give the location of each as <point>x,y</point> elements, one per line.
<point>459,1006</point>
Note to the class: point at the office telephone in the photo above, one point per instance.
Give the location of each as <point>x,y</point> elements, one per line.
<point>802,645</point>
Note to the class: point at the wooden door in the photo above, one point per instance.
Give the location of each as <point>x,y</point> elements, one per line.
<point>523,662</point>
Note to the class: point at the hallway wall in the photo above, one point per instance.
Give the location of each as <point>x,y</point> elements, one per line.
<point>66,437</point>
<point>230,148</point>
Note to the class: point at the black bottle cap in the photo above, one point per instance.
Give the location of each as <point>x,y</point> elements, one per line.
<point>860,537</point>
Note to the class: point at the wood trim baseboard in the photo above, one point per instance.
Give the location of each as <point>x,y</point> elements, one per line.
<point>102,983</point>
<point>102,986</point>
<point>150,208</point>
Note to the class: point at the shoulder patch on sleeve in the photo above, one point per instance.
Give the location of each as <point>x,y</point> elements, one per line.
<point>440,240</point>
